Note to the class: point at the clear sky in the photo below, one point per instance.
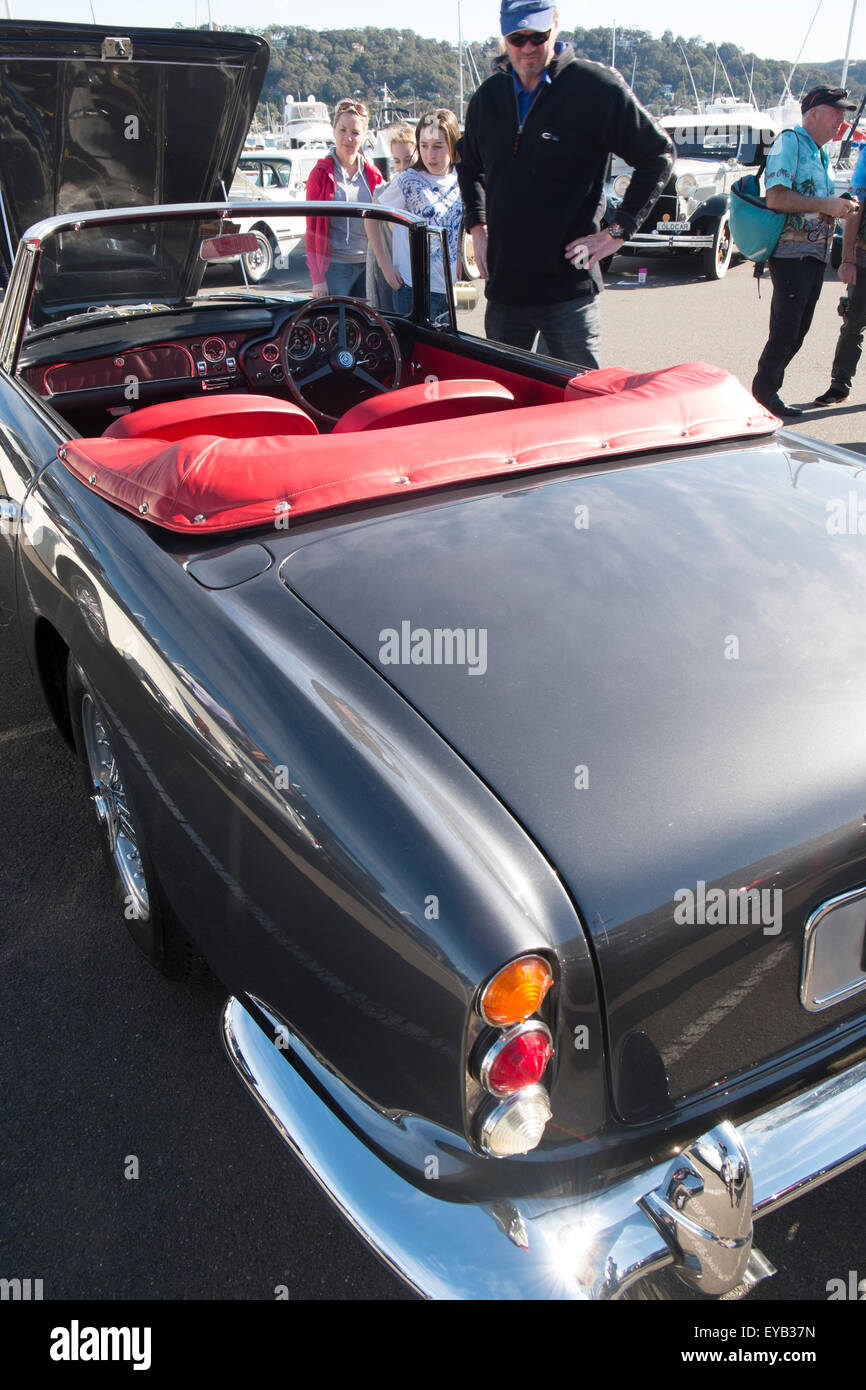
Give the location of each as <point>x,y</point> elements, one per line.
<point>770,28</point>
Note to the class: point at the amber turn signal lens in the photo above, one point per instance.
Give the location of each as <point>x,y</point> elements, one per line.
<point>516,991</point>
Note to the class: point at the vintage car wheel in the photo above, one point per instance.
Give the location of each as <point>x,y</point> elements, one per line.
<point>718,257</point>
<point>467,256</point>
<point>259,264</point>
<point>147,916</point>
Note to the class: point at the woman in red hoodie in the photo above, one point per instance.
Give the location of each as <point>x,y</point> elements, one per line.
<point>337,247</point>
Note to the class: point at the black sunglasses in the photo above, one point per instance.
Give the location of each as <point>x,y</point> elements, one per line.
<point>519,40</point>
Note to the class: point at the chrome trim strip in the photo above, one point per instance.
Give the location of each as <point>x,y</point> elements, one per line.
<point>553,1248</point>
<point>169,212</point>
<point>808,996</point>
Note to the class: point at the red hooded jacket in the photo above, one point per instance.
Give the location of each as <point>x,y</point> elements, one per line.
<point>322,188</point>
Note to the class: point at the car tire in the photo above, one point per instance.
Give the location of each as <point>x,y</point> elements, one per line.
<point>259,264</point>
<point>147,916</point>
<point>717,258</point>
<point>469,267</point>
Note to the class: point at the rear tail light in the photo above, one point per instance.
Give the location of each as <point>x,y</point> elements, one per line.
<point>508,1103</point>
<point>515,1059</point>
<point>515,1125</point>
<point>516,991</point>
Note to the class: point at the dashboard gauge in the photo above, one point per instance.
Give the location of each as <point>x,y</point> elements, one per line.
<point>270,352</point>
<point>213,349</point>
<point>321,325</point>
<point>300,345</point>
<point>374,342</point>
<point>353,335</point>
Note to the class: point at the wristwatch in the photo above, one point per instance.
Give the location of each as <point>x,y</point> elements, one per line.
<point>616,230</point>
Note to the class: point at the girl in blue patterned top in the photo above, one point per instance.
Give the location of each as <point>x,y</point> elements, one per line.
<point>430,190</point>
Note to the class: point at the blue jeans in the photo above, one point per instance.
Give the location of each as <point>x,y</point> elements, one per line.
<point>403,302</point>
<point>347,277</point>
<point>571,330</point>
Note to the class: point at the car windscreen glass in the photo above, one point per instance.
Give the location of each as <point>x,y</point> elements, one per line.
<point>714,142</point>
<point>91,269</point>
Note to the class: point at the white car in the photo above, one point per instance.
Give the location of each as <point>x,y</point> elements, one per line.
<point>277,237</point>
<point>280,172</point>
<point>693,212</point>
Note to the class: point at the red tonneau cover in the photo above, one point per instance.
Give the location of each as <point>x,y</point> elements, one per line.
<point>213,484</point>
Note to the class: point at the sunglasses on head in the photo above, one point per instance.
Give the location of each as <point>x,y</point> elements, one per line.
<point>357,107</point>
<point>520,40</point>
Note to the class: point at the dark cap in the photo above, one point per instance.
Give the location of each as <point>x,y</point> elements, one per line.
<point>827,96</point>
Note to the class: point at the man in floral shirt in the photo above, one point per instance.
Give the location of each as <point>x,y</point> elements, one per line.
<point>852,272</point>
<point>799,183</point>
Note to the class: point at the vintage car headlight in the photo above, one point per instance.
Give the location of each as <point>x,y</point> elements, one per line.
<point>620,185</point>
<point>686,185</point>
<point>515,1125</point>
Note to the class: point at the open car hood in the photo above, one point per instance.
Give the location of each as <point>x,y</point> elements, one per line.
<point>100,117</point>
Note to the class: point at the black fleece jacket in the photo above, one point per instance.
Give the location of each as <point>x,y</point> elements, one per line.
<point>540,186</point>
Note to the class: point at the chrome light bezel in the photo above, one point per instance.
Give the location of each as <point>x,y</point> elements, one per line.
<point>686,186</point>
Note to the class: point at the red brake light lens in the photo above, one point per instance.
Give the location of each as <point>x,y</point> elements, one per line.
<point>518,1063</point>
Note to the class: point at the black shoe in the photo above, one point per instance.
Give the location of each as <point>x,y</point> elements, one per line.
<point>834,396</point>
<point>778,407</point>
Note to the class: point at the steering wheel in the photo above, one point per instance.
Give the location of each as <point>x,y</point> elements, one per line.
<point>312,351</point>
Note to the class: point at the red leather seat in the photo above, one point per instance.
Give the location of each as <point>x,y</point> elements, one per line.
<point>227,417</point>
<point>429,400</point>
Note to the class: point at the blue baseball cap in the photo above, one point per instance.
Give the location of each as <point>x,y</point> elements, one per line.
<point>523,14</point>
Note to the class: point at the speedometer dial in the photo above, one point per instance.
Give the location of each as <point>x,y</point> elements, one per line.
<point>301,343</point>
<point>353,335</point>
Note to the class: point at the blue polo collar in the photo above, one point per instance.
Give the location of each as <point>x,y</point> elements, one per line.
<point>525,98</point>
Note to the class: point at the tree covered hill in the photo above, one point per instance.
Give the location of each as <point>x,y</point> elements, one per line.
<point>358,62</point>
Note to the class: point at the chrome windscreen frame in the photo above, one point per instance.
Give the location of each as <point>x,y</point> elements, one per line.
<point>25,269</point>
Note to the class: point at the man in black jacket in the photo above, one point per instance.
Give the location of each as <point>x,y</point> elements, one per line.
<point>531,166</point>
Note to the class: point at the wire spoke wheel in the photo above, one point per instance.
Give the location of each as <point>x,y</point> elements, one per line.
<point>147,914</point>
<point>111,804</point>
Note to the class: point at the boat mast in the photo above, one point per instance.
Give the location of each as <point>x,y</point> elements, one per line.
<point>787,87</point>
<point>460,56</point>
<point>848,48</point>
<point>689,70</point>
<point>725,71</point>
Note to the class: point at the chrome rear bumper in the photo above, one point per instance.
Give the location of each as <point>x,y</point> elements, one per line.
<point>693,1211</point>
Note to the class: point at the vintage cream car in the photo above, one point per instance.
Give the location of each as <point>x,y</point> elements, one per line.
<point>713,150</point>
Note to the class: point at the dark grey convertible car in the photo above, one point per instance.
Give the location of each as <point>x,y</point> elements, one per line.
<point>494,733</point>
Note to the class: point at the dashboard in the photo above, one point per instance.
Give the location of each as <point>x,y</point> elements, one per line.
<point>184,352</point>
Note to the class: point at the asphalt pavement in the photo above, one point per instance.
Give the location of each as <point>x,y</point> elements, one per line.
<point>103,1062</point>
